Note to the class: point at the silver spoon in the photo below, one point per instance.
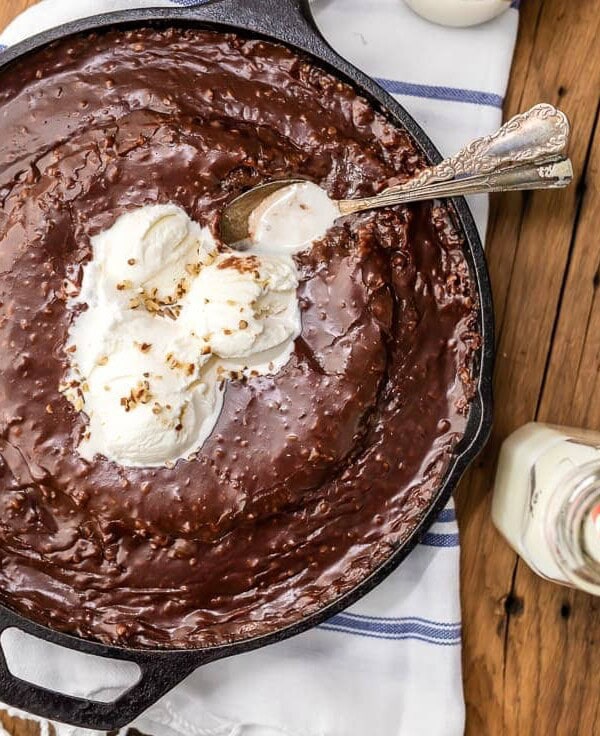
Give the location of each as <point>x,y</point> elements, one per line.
<point>527,152</point>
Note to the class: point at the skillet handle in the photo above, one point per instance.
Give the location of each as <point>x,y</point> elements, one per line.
<point>159,673</point>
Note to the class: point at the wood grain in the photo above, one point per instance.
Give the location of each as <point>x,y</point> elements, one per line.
<point>528,662</point>
<point>18,726</point>
<point>528,643</point>
<point>9,9</point>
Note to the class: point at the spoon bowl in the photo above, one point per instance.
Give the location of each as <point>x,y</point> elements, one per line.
<point>235,219</point>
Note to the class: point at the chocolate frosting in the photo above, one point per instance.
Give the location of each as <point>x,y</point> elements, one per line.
<point>312,476</point>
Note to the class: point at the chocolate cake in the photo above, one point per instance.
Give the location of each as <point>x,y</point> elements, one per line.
<point>313,475</point>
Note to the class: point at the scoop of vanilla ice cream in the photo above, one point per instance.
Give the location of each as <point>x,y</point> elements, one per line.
<point>136,375</point>
<point>243,304</point>
<point>148,367</point>
<point>151,247</point>
<point>100,333</point>
<point>141,412</point>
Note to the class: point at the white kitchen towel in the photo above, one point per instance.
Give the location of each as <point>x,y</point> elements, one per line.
<point>390,665</point>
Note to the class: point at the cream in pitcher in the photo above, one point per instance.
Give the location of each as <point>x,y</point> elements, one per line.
<point>547,502</point>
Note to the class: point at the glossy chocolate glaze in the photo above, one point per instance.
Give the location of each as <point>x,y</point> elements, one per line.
<point>312,476</point>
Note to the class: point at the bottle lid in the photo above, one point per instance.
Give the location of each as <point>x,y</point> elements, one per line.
<point>459,12</point>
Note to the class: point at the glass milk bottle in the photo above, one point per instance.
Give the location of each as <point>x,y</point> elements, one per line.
<point>547,502</point>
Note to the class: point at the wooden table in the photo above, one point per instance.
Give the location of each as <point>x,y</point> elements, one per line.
<point>529,666</point>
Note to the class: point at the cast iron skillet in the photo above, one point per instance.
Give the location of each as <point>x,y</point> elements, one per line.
<point>291,22</point>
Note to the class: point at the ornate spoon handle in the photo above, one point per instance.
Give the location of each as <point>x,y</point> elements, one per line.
<point>527,152</point>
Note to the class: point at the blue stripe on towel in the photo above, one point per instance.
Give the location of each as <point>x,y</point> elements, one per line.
<point>403,637</point>
<point>398,629</point>
<point>376,624</point>
<point>415,619</point>
<point>432,92</point>
<point>440,540</point>
<point>189,3</point>
<point>446,515</point>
